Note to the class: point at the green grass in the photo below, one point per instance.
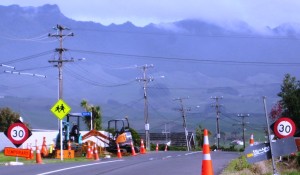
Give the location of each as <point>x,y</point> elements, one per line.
<point>240,166</point>
<point>6,159</point>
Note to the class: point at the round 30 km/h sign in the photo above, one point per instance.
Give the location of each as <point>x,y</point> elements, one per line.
<point>284,127</point>
<point>17,133</point>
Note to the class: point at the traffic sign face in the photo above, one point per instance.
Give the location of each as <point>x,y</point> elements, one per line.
<point>17,133</point>
<point>86,114</point>
<point>60,109</point>
<point>284,127</point>
<point>258,152</point>
<point>17,152</point>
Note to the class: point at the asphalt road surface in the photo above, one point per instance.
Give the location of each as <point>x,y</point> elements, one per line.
<point>158,163</point>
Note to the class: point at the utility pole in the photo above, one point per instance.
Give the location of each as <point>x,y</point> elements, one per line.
<point>182,110</point>
<point>166,132</point>
<point>217,107</point>
<point>59,64</point>
<point>145,79</point>
<point>244,127</point>
<point>60,36</point>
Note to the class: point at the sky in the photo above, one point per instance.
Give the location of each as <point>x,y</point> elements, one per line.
<point>257,13</point>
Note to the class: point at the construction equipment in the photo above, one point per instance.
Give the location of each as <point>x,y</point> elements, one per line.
<point>73,135</point>
<point>119,133</point>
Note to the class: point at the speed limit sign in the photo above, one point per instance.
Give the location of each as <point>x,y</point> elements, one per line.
<point>284,127</point>
<point>17,133</point>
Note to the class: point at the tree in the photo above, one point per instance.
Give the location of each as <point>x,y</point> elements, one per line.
<point>200,136</point>
<point>7,117</point>
<point>290,98</point>
<point>276,112</point>
<point>96,113</point>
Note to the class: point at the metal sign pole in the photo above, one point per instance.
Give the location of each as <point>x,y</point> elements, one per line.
<point>269,138</point>
<point>61,142</point>
<point>92,120</point>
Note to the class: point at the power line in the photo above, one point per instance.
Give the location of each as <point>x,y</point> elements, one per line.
<point>95,83</point>
<point>192,35</point>
<point>208,61</point>
<point>28,57</point>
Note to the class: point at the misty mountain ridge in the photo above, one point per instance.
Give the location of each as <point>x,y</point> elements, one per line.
<point>198,59</point>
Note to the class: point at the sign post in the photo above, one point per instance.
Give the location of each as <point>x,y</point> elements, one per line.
<point>60,109</point>
<point>269,138</point>
<point>84,114</point>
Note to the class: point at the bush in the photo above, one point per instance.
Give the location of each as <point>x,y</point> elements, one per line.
<point>238,164</point>
<point>298,158</point>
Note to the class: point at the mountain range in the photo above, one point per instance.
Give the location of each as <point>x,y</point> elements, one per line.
<point>192,59</point>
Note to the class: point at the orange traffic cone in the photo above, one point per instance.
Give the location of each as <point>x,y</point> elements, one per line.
<point>132,149</point>
<point>96,156</point>
<point>166,147</point>
<point>31,153</point>
<point>69,145</point>
<point>88,152</point>
<point>44,150</point>
<point>251,140</point>
<point>38,156</point>
<point>156,149</point>
<point>207,168</point>
<point>143,150</point>
<point>119,151</point>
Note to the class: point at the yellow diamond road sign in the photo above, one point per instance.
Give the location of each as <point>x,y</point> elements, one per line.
<point>60,109</point>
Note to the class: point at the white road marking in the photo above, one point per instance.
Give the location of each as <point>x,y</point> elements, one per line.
<point>193,153</point>
<point>79,166</point>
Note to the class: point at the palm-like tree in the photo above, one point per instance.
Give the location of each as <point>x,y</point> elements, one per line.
<point>96,113</point>
<point>200,136</point>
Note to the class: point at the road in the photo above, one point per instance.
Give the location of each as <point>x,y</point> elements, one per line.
<point>159,163</point>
